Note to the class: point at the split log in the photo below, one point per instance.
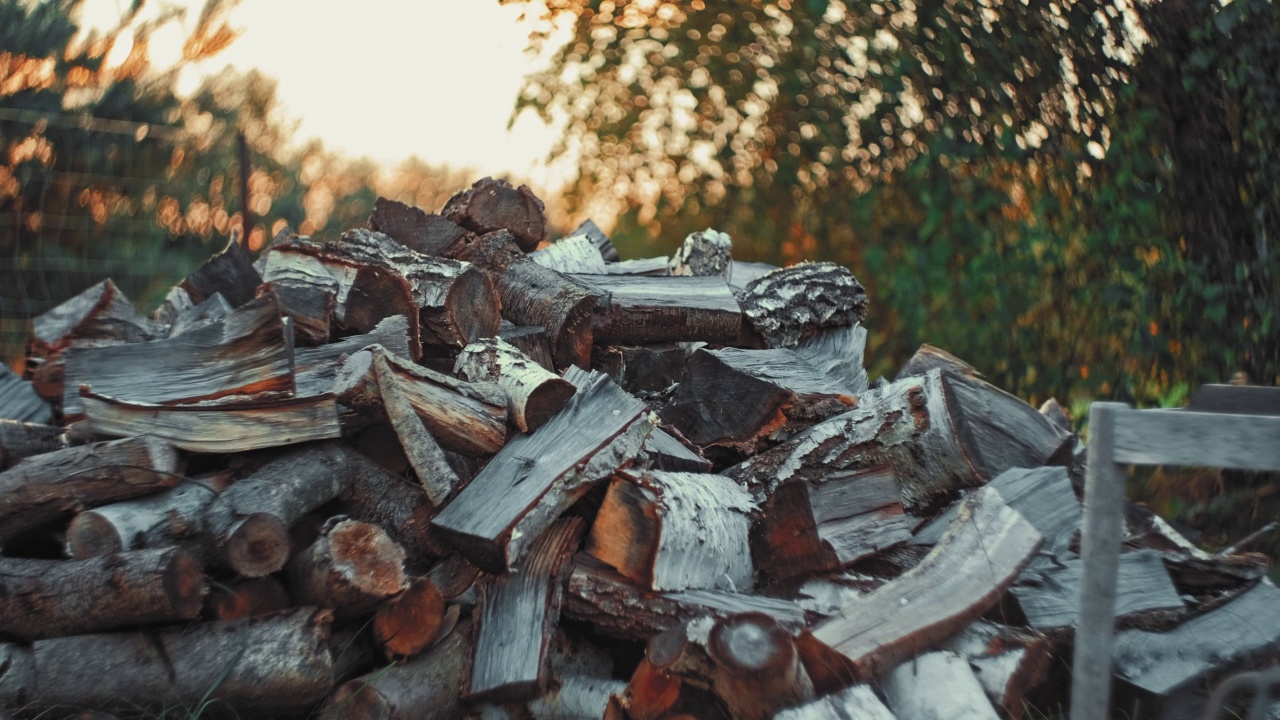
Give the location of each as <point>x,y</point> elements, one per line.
<point>250,354</point>
<point>535,295</point>
<point>455,577</point>
<point>352,567</point>
<point>229,272</point>
<point>398,506</point>
<point>788,305</point>
<point>646,371</point>
<point>416,229</point>
<point>744,273</point>
<point>681,650</point>
<point>21,440</point>
<point>47,487</point>
<point>649,267</point>
<point>635,310</point>
<point>653,695</point>
<point>52,598</point>
<point>517,616</point>
<point>19,401</point>
<point>1049,593</point>
<point>855,701</point>
<point>270,665</point>
<point>249,597</point>
<point>574,254</point>
<point>1057,414</point>
<point>215,309</point>
<point>317,367</point>
<point>927,357</point>
<point>839,354</point>
<point>536,477</point>
<point>811,526</point>
<point>1008,662</point>
<point>1041,495</point>
<point>757,669</point>
<point>961,578</point>
<point>470,418</point>
<point>307,292</point>
<point>592,232</point>
<point>532,340</point>
<point>662,451</point>
<point>618,607</point>
<point>423,453</point>
<point>427,687</point>
<point>490,205</point>
<point>676,531</point>
<point>408,623</point>
<point>738,399</point>
<point>576,696</point>
<point>249,522</point>
<point>159,520</point>
<point>937,686</point>
<point>101,315</point>
<point>534,394</point>
<point>706,253</point>
<point>1171,673</point>
<point>1216,575</point>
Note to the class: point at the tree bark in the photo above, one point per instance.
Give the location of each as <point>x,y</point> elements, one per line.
<point>574,254</point>
<point>159,520</point>
<point>534,394</point>
<point>490,205</point>
<point>21,440</point>
<point>937,686</point>
<point>757,669</point>
<point>398,506</point>
<point>307,292</point>
<point>352,567</point>
<point>706,253</point>
<point>318,367</point>
<point>789,305</point>
<point>408,623</point>
<point>532,340</point>
<point>1049,593</point>
<point>635,310</point>
<point>414,228</point>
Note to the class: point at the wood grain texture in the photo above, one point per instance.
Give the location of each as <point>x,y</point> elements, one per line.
<point>1042,495</point>
<point>662,451</point>
<point>213,309</point>
<point>635,310</point>
<point>420,448</point>
<point>856,702</point>
<point>317,367</point>
<point>840,354</point>
<point>414,228</point>
<point>307,292</point>
<point>532,340</point>
<point>1049,593</point>
<point>21,440</point>
<point>1178,437</point>
<point>937,686</point>
<point>19,401</point>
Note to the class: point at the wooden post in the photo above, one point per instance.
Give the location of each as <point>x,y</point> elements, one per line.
<point>1100,558</point>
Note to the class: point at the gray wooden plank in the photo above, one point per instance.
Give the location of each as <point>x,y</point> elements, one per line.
<point>1178,437</point>
<point>1042,495</point>
<point>1237,399</point>
<point>1049,593</point>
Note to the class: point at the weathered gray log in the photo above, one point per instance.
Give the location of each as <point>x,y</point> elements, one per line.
<point>1042,495</point>
<point>676,531</point>
<point>535,295</point>
<point>19,402</point>
<point>399,506</point>
<point>937,686</point>
<point>414,228</point>
<point>52,598</point>
<point>1049,594</point>
<point>307,292</point>
<point>269,665</point>
<point>532,340</point>
<point>517,616</point>
<point>856,702</point>
<point>927,357</point>
<point>249,354</point>
<point>704,253</point>
<point>646,371</point>
<point>574,254</point>
<point>159,520</point>
<point>788,305</point>
<point>408,623</point>
<point>217,427</point>
<point>229,272</point>
<point>317,367</point>
<point>490,205</point>
<point>536,477</point>
<point>534,394</point>
<point>101,315</point>
<point>810,526</point>
<point>1008,662</point>
<point>962,577</point>
<point>427,687</point>
<point>597,237</point>
<point>839,353</point>
<point>757,668</point>
<point>662,451</point>
<point>352,567</point>
<point>249,522</point>
<point>620,608</point>
<point>21,440</point>
<point>635,310</point>
<point>46,487</point>
<point>421,450</point>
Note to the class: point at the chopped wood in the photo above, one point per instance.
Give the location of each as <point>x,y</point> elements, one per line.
<point>653,694</point>
<point>268,665</point>
<point>517,615</point>
<point>352,567</point>
<point>307,292</point>
<point>1000,431</point>
<point>534,394</point>
<point>646,371</point>
<point>416,229</point>
<point>597,237</point>
<point>576,696</point>
<point>809,526</point>
<point>1008,662</point>
<point>574,254</point>
<point>101,315</point>
<point>962,577</point>
<point>676,531</point>
<point>681,650</point>
<point>757,668</point>
<point>856,702</point>
<point>426,687</point>
<point>248,597</point>
<point>159,520</point>
<point>532,340</point>
<point>55,485</point>
<point>937,686</point>
<point>247,355</point>
<point>1042,495</point>
<point>408,623</point>
<point>635,310</point>
<point>652,267</point>
<point>423,453</point>
<point>1057,414</point>
<point>19,401</point>
<point>744,273</point>
<point>839,353</point>
<point>704,253</point>
<point>21,440</point>
<point>927,357</point>
<point>490,205</point>
<point>662,451</point>
<point>535,295</point>
<point>454,576</point>
<point>787,305</point>
<point>1049,593</point>
<point>53,598</point>
<point>229,272</point>
<point>317,367</point>
<point>399,506</point>
<point>214,309</point>
<point>1214,575</point>
<point>537,476</point>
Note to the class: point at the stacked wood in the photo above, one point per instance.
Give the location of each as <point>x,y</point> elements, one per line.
<point>574,254</point>
<point>707,252</point>
<point>534,394</point>
<point>490,205</point>
<point>420,231</point>
<point>636,309</point>
<point>19,401</point>
<point>788,305</point>
<point>20,440</point>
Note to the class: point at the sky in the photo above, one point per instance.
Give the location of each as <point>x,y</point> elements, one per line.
<point>384,79</point>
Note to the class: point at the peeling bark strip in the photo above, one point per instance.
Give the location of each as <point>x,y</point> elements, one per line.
<point>517,617</point>
<point>676,531</point>
<point>704,253</point>
<point>58,484</point>
<point>536,477</point>
<point>535,295</point>
<point>414,228</point>
<point>534,394</point>
<point>937,686</point>
<point>490,205</point>
<point>158,520</point>
<point>351,567</point>
<point>960,579</point>
<point>277,664</point>
<point>790,304</point>
<point>21,440</point>
<point>52,598</point>
<point>250,354</point>
<point>635,310</point>
<point>574,254</point>
<point>101,315</point>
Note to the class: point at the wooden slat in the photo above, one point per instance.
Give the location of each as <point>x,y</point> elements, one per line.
<point>1238,399</point>
<point>1177,437</point>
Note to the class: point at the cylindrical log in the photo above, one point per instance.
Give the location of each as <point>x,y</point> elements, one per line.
<point>268,666</point>
<point>491,204</point>
<point>248,597</point>
<point>156,521</point>
<point>408,623</point>
<point>706,252</point>
<point>398,506</point>
<point>351,568</point>
<point>20,440</point>
<point>937,686</point>
<point>651,693</point>
<point>534,394</point>
<point>757,669</point>
<point>50,598</point>
<point>250,521</point>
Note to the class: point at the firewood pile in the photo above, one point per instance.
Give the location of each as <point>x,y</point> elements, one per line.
<point>440,468</point>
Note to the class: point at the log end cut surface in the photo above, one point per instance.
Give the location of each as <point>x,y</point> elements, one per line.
<point>258,545</point>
